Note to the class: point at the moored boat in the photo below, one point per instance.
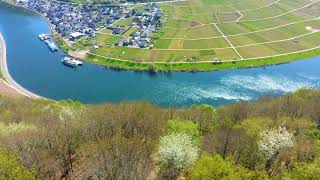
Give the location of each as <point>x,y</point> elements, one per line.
<point>44,37</point>
<point>71,62</point>
<point>78,62</point>
<point>53,46</point>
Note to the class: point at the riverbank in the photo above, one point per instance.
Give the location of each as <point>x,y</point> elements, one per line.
<point>8,85</point>
<point>6,90</point>
<point>200,66</point>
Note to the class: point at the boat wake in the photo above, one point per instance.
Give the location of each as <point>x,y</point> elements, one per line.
<point>268,84</point>
<point>235,88</point>
<point>183,93</point>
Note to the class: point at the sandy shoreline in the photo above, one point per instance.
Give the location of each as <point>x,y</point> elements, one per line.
<point>6,90</point>
<point>8,86</point>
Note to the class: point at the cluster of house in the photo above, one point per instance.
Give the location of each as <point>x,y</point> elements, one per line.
<point>73,20</point>
<point>147,22</point>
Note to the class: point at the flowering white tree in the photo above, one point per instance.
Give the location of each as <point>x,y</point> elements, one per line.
<point>177,150</point>
<point>273,140</point>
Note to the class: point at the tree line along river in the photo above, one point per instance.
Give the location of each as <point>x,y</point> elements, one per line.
<point>36,68</point>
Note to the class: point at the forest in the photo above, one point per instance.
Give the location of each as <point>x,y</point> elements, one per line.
<point>270,138</point>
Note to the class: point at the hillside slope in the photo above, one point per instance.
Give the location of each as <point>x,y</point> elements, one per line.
<point>272,137</point>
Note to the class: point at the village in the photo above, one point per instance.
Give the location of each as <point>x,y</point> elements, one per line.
<point>147,22</point>
<point>72,21</point>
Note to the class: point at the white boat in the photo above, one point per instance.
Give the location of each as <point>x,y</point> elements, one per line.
<point>47,42</point>
<point>78,62</point>
<point>68,62</point>
<point>71,62</point>
<point>44,37</point>
<point>52,46</point>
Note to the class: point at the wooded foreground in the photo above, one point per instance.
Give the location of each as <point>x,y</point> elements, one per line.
<point>274,137</point>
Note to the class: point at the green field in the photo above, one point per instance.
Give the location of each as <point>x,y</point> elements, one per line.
<point>220,30</point>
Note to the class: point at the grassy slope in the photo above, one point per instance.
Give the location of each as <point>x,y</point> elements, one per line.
<point>201,66</point>
<point>1,75</point>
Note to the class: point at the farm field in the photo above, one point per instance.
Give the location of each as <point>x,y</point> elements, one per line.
<point>220,30</point>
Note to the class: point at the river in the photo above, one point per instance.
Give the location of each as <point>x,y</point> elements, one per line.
<point>37,69</point>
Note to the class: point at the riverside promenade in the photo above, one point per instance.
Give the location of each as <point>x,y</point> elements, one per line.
<point>8,84</point>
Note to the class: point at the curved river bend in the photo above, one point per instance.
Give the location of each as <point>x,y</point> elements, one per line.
<point>33,66</point>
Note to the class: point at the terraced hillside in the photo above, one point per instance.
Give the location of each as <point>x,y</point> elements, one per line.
<point>224,31</point>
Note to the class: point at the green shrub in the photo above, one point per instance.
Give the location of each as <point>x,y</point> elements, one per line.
<point>11,168</point>
<point>183,126</point>
<point>214,167</point>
